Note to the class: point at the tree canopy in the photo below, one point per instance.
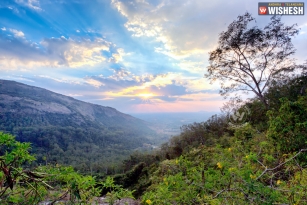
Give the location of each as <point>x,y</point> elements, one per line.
<point>248,58</point>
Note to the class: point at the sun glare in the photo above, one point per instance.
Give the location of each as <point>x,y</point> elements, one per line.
<point>145,95</point>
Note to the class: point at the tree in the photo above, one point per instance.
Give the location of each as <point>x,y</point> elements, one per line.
<point>249,58</point>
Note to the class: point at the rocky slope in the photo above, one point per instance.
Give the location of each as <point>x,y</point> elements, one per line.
<point>61,127</point>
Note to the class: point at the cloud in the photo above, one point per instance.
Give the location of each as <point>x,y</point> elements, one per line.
<point>183,30</point>
<point>162,80</point>
<point>192,66</point>
<point>74,95</point>
<point>19,52</point>
<point>186,30</point>
<point>142,84</point>
<point>17,78</point>
<point>62,80</point>
<point>197,84</point>
<point>76,53</point>
<point>16,33</point>
<point>168,86</point>
<point>120,74</point>
<point>94,83</point>
<point>118,56</point>
<point>181,26</point>
<point>32,4</point>
<point>3,29</point>
<point>110,92</point>
<point>184,27</point>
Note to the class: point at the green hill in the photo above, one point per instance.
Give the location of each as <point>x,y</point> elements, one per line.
<point>68,131</point>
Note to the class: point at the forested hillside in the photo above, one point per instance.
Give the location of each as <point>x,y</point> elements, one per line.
<point>68,131</point>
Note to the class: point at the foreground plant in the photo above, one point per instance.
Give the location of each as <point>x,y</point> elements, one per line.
<point>251,171</point>
<point>18,185</point>
<point>50,183</point>
<point>115,192</point>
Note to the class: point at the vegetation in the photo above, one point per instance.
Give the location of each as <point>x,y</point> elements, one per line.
<point>50,183</point>
<point>214,163</point>
<point>262,161</point>
<point>91,138</point>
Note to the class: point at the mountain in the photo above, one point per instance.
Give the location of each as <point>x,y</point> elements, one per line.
<point>68,131</point>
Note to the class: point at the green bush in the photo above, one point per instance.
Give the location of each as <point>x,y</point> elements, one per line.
<point>250,171</point>
<point>288,126</point>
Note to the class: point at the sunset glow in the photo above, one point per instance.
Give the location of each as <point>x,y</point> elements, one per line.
<point>128,54</point>
<point>145,95</point>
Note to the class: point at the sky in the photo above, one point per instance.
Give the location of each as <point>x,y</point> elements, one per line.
<point>134,55</point>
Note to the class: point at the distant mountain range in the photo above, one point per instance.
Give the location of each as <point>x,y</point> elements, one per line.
<point>168,124</point>
<point>63,129</point>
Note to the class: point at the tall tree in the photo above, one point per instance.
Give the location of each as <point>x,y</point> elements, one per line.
<point>249,58</point>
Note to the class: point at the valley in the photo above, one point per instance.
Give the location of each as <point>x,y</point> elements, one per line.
<point>68,131</point>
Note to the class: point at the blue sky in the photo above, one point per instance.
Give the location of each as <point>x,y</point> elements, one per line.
<point>133,55</point>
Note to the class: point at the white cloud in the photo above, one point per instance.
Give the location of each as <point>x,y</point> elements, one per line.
<point>192,66</point>
<point>73,81</point>
<point>74,95</point>
<point>32,4</point>
<point>51,52</point>
<point>143,82</point>
<point>197,84</point>
<point>186,30</point>
<point>8,63</point>
<point>168,22</point>
<point>3,29</point>
<point>75,53</point>
<point>93,82</point>
<point>17,33</point>
<point>192,84</point>
<point>17,78</point>
<point>163,79</point>
<point>117,56</point>
<point>60,80</point>
<point>121,74</point>
<point>156,84</point>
